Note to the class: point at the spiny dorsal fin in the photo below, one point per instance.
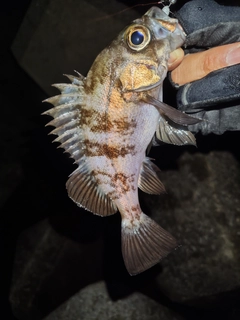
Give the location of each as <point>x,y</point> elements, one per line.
<point>75,80</point>
<point>67,87</point>
<point>66,98</point>
<point>144,244</point>
<point>169,134</point>
<point>66,116</point>
<point>84,191</point>
<point>148,179</point>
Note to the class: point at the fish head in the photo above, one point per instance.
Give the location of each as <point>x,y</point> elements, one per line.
<point>137,59</point>
<point>145,46</point>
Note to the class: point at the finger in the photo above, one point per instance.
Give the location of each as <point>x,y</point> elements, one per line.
<point>175,59</point>
<point>197,65</point>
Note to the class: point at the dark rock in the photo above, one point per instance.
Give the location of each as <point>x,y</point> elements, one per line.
<point>49,268</point>
<point>11,174</point>
<point>94,303</point>
<point>202,210</point>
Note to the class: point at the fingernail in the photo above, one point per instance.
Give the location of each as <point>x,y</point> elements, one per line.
<point>173,57</point>
<point>233,56</point>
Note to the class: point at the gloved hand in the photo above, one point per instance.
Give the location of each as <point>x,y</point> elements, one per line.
<point>216,97</point>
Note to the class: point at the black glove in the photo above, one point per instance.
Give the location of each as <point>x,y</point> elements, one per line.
<point>216,97</point>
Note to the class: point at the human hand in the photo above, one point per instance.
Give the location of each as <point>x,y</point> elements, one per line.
<point>209,80</point>
<point>197,65</point>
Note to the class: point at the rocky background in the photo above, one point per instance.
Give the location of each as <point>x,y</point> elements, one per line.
<point>60,262</point>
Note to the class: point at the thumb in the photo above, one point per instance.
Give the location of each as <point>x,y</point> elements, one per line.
<point>175,59</point>
<point>197,65</point>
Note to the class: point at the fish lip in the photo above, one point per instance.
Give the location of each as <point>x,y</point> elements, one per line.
<point>156,13</point>
<point>168,26</point>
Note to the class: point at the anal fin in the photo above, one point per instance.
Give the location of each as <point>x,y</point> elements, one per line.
<point>144,244</point>
<point>149,181</point>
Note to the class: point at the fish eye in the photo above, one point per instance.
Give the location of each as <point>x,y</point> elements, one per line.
<point>138,37</point>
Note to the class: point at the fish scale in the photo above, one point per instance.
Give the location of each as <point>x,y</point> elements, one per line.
<point>107,120</point>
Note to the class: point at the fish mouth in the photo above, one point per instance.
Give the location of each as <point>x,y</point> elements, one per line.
<point>157,13</point>
<point>164,26</point>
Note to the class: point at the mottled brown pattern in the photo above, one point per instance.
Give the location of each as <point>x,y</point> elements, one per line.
<point>120,179</point>
<point>95,149</point>
<point>100,67</point>
<point>125,181</point>
<point>125,126</point>
<point>135,213</point>
<point>96,77</point>
<point>136,210</point>
<point>113,195</point>
<point>102,123</point>
<point>96,121</point>
<point>96,172</point>
<point>101,72</point>
<point>86,116</point>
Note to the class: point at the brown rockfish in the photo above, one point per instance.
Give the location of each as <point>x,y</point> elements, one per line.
<point>107,120</point>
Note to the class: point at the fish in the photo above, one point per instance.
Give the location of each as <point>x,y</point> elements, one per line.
<point>107,120</point>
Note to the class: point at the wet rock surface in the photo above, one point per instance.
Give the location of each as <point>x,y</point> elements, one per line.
<point>93,303</point>
<point>202,208</point>
<point>49,267</point>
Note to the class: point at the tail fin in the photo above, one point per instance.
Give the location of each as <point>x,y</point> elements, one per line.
<point>144,243</point>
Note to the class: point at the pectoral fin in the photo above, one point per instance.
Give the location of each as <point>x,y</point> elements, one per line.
<point>169,134</point>
<point>148,179</point>
<point>173,114</point>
